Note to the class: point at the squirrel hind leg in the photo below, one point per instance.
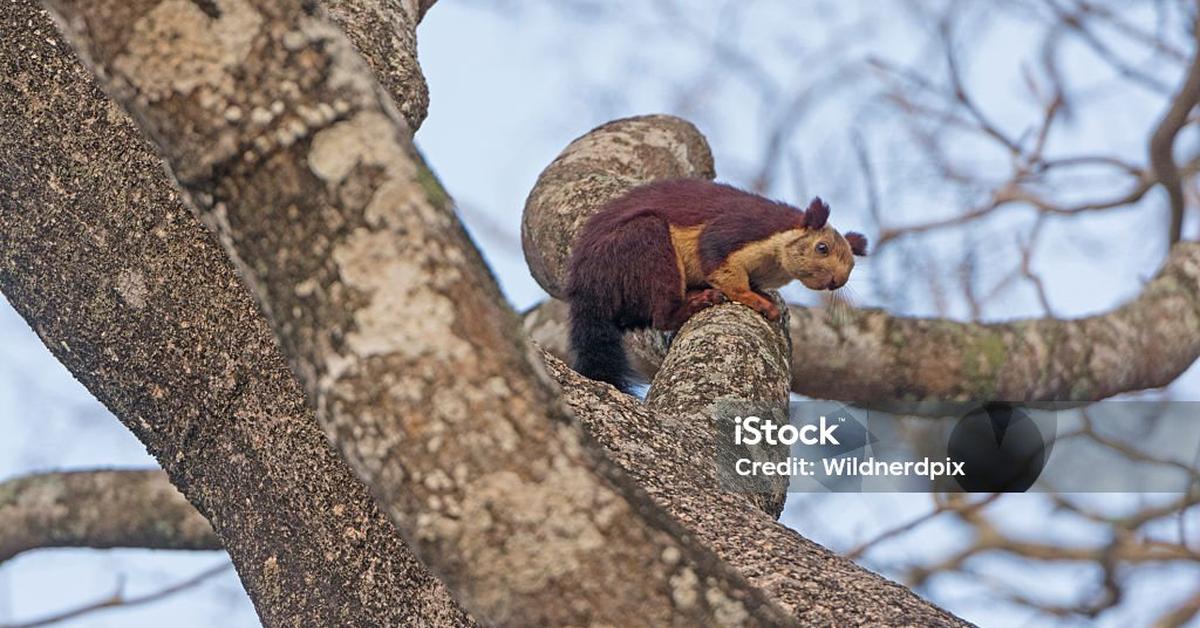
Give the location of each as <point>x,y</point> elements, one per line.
<point>626,279</point>
<point>655,273</point>
<point>597,348</point>
<point>693,302</point>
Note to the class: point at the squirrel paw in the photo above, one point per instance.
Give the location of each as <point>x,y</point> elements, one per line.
<point>770,311</point>
<point>705,298</point>
<point>765,306</point>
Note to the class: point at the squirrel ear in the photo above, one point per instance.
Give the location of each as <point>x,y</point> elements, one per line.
<point>816,214</point>
<point>858,242</point>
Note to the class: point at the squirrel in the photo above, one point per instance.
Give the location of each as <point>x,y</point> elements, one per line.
<point>663,251</point>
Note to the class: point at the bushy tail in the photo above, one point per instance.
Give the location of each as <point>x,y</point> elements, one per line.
<point>597,348</point>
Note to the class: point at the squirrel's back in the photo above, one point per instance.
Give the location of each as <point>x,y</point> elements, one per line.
<point>685,203</point>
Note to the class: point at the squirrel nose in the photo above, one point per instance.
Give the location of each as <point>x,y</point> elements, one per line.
<point>833,284</point>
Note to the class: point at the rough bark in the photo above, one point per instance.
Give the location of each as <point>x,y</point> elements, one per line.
<point>871,357</point>
<point>392,323</point>
<point>724,353</point>
<point>130,292</point>
<point>99,509</point>
<point>599,166</point>
<point>670,456</point>
<point>729,361</point>
<point>382,31</point>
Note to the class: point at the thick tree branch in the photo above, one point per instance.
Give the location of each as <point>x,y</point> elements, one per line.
<point>130,293</point>
<point>871,357</point>
<point>598,166</point>
<point>726,361</point>
<point>99,509</point>
<point>724,352</point>
<point>392,321</point>
<point>382,31</point>
<point>671,457</point>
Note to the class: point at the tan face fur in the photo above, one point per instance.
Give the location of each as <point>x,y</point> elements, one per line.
<point>820,258</point>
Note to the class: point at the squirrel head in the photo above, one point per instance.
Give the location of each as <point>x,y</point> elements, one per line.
<point>819,256</point>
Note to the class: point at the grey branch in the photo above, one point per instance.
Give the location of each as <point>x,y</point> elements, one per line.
<point>132,295</point>
<point>598,166</point>
<point>668,455</point>
<point>732,359</point>
<point>870,356</point>
<point>382,31</point>
<point>99,509</point>
<point>392,322</point>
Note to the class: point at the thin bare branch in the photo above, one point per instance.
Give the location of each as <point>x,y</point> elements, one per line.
<point>120,599</point>
<point>1162,143</point>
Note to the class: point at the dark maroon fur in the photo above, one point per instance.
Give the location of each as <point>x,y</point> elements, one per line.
<point>733,217</point>
<point>623,273</point>
<point>817,214</point>
<point>622,276</point>
<point>857,242</point>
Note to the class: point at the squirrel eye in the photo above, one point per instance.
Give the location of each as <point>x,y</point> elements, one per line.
<point>823,248</point>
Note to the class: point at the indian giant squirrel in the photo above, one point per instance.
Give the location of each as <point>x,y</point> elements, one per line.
<point>663,251</point>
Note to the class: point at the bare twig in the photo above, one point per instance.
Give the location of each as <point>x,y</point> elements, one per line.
<point>953,503</point>
<point>1162,144</point>
<point>119,599</point>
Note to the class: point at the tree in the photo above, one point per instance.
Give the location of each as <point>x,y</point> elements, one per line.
<point>521,493</point>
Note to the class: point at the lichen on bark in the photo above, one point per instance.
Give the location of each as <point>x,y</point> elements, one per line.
<point>128,290</point>
<point>98,509</point>
<point>395,386</point>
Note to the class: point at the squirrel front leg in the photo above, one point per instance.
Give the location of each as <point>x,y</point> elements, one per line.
<point>734,282</point>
